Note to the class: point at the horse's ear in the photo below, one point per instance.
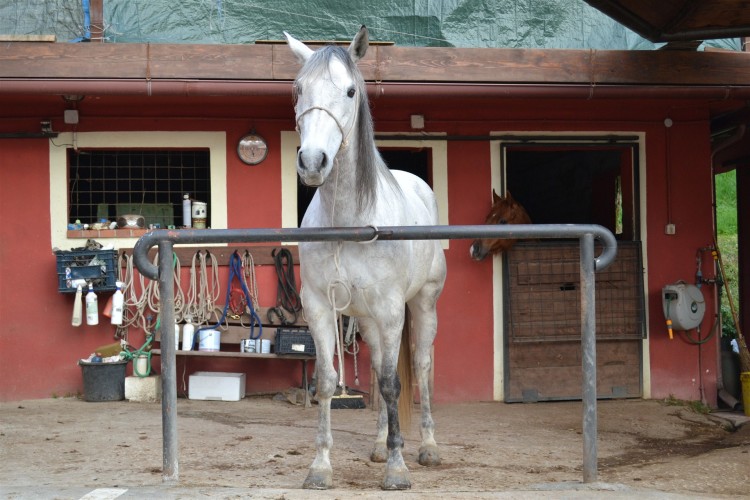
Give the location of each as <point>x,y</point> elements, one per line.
<point>358,47</point>
<point>302,51</point>
<point>508,196</point>
<point>495,197</point>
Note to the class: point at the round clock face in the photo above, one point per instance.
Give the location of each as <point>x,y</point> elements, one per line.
<point>252,149</point>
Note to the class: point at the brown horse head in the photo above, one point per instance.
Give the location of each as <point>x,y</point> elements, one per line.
<point>505,210</point>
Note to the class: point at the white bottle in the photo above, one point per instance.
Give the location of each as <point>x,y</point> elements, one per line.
<point>118,302</point>
<point>176,336</point>
<point>187,335</point>
<point>92,307</point>
<point>186,211</point>
<point>77,318</point>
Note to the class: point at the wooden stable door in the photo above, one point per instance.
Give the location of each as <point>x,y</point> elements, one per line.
<point>543,323</point>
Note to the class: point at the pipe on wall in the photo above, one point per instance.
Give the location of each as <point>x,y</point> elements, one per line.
<point>164,87</point>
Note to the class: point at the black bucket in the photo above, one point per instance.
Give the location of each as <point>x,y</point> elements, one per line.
<point>103,381</point>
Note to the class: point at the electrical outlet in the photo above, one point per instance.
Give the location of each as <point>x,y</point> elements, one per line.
<point>669,229</point>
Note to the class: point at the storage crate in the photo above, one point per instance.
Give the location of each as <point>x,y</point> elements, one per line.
<point>98,267</point>
<point>294,341</point>
<point>216,386</point>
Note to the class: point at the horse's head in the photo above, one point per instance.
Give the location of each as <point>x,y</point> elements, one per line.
<point>329,93</point>
<point>505,210</point>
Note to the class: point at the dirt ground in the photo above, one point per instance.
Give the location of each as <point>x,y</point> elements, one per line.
<point>266,444</point>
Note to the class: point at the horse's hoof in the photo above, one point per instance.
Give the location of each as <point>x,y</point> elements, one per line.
<point>379,453</point>
<point>396,481</point>
<point>429,456</point>
<point>318,480</point>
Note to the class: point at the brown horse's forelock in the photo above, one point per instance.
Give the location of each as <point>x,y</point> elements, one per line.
<point>369,162</point>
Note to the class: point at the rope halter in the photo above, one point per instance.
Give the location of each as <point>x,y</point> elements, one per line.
<point>344,135</point>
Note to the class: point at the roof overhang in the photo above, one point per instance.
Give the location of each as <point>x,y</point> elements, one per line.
<point>679,20</point>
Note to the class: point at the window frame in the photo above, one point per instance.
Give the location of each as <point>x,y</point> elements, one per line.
<point>215,142</point>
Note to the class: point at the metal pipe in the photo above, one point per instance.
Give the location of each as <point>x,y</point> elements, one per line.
<point>588,358</point>
<point>586,233</point>
<point>430,90</point>
<point>170,471</point>
<point>261,235</point>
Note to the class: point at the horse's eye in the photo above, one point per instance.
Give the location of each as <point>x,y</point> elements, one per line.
<point>351,92</point>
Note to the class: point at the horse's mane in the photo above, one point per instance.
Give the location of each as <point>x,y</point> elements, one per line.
<point>370,164</point>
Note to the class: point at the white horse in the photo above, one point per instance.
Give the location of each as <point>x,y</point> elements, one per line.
<point>374,281</point>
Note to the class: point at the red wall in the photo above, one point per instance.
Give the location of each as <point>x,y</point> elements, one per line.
<point>39,348</point>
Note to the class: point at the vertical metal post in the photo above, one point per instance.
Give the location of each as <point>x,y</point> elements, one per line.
<point>170,471</point>
<point>588,348</point>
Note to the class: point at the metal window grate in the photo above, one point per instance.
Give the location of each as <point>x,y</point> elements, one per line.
<point>104,184</point>
<point>544,296</point>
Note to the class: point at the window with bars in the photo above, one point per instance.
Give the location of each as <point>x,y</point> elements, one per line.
<point>105,184</point>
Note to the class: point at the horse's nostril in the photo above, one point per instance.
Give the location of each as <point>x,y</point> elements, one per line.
<point>323,160</point>
<point>301,161</point>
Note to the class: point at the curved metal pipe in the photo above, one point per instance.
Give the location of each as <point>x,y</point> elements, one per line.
<point>518,231</point>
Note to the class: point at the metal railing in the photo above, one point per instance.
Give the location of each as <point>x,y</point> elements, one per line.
<point>163,272</point>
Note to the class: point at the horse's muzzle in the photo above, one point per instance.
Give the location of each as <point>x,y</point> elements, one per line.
<point>477,251</point>
<point>312,167</point>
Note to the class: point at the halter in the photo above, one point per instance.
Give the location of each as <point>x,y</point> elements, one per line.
<point>344,135</point>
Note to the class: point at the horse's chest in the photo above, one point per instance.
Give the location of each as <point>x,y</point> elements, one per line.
<point>356,271</point>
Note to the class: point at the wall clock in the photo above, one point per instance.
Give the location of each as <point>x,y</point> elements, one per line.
<point>252,149</point>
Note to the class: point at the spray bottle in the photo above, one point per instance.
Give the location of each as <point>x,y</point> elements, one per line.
<point>77,318</point>
<point>118,302</point>
<point>92,307</point>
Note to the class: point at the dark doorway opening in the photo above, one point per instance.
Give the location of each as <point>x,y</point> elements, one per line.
<point>577,184</point>
<point>415,161</point>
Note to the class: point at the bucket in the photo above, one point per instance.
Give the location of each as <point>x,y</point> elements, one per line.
<point>200,214</point>
<point>103,381</point>
<point>141,365</point>
<point>745,379</point>
<point>209,340</point>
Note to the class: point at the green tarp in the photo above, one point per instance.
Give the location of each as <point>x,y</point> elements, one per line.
<point>563,24</point>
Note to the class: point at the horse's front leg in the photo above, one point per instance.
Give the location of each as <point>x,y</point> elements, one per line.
<point>396,472</point>
<point>322,326</point>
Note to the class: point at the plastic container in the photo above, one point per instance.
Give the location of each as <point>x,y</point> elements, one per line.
<point>294,341</point>
<point>96,266</point>
<point>103,381</point>
<point>186,214</point>
<point>142,365</point>
<point>187,335</point>
<point>118,303</point>
<point>92,307</point>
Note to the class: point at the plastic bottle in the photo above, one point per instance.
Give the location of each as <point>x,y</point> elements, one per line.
<point>77,318</point>
<point>176,336</point>
<point>186,211</point>
<point>188,332</point>
<point>118,302</point>
<point>92,307</point>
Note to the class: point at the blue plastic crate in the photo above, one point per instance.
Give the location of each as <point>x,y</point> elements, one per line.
<point>98,267</point>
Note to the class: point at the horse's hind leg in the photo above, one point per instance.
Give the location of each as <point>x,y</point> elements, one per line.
<point>368,330</point>
<point>385,334</point>
<point>424,321</point>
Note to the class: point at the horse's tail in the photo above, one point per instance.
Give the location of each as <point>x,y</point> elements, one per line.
<point>406,375</point>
